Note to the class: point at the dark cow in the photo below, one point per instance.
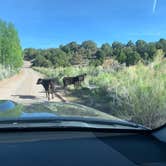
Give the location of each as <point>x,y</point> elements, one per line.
<point>73,80</point>
<point>69,81</point>
<point>49,86</point>
<point>81,78</point>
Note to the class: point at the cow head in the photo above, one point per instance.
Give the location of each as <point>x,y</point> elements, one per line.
<point>39,81</point>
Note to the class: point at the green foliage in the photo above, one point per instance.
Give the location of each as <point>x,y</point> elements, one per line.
<point>76,59</point>
<point>70,48</point>
<point>122,57</point>
<point>132,58</point>
<point>30,53</point>
<point>107,49</point>
<point>60,58</point>
<point>99,58</point>
<point>42,62</point>
<point>88,53</point>
<point>161,44</point>
<point>89,45</point>
<point>10,49</point>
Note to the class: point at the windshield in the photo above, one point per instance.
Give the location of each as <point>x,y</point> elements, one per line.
<point>101,59</point>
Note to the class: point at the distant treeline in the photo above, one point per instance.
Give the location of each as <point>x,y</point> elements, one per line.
<point>88,53</point>
<point>10,48</point>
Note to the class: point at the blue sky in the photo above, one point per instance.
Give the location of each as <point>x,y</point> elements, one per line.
<point>49,23</point>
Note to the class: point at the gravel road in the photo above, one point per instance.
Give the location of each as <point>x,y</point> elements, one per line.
<point>22,88</point>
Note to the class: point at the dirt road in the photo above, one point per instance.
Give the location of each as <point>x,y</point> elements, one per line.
<point>22,88</point>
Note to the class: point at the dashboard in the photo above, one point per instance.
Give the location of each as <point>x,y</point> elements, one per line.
<point>81,148</point>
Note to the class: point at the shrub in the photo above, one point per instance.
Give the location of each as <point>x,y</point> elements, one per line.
<point>7,72</point>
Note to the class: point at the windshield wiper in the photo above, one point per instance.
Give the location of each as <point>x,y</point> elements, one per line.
<point>95,121</point>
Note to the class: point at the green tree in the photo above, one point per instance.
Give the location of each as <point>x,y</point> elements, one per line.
<point>107,49</point>
<point>131,45</point>
<point>60,58</point>
<point>31,53</point>
<point>15,57</point>
<point>72,48</point>
<point>141,47</point>
<point>41,61</point>
<point>77,59</point>
<point>132,58</point>
<point>122,57</point>
<point>161,44</point>
<point>151,50</point>
<point>89,47</point>
<point>3,42</point>
<point>99,58</point>
<point>117,47</point>
<point>10,48</point>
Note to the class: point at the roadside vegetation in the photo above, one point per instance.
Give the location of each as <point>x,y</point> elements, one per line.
<point>136,93</point>
<point>7,72</point>
<point>11,57</point>
<point>124,80</point>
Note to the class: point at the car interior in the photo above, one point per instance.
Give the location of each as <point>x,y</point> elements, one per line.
<point>63,147</point>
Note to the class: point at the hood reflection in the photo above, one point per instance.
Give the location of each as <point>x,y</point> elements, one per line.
<point>6,105</point>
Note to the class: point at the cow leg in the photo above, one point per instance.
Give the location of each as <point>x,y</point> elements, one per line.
<point>52,94</point>
<point>64,86</point>
<point>76,84</point>
<point>46,94</point>
<point>49,91</point>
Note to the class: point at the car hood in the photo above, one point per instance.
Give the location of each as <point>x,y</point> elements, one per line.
<point>12,110</point>
<point>68,114</point>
